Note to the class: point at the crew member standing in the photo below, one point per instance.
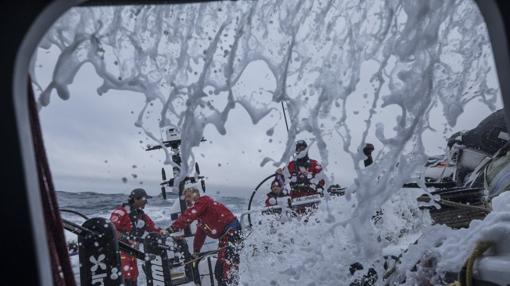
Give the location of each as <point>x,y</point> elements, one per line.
<point>303,171</point>
<point>131,224</point>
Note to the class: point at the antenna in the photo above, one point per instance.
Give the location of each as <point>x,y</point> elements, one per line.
<point>285,117</point>
<point>163,178</point>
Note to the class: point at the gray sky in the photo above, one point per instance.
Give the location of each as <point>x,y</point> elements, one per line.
<point>92,142</point>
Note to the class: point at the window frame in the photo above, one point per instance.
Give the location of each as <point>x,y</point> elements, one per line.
<point>15,111</point>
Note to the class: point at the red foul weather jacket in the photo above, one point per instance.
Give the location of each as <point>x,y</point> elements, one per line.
<point>212,219</point>
<point>123,222</point>
<point>314,168</point>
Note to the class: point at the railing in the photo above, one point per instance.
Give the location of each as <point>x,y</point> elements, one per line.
<point>99,249</point>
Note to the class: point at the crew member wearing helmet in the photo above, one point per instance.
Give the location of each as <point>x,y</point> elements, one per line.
<point>275,197</point>
<point>132,224</point>
<point>303,170</point>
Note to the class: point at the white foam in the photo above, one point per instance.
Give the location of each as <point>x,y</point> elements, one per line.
<point>421,53</point>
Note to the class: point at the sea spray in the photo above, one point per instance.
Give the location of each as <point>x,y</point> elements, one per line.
<point>421,54</point>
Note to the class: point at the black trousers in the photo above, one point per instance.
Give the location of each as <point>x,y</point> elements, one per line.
<point>227,264</point>
<point>130,283</point>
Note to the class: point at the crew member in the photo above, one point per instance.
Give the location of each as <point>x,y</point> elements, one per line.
<point>132,224</point>
<point>218,222</point>
<point>275,197</point>
<point>303,171</point>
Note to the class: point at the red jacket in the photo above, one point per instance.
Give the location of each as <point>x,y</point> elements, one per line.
<point>212,219</point>
<point>122,221</point>
<point>314,168</point>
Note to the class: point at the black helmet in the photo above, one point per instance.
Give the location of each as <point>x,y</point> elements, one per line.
<point>138,193</point>
<point>300,144</point>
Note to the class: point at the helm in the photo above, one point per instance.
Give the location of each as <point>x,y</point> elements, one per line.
<point>301,149</point>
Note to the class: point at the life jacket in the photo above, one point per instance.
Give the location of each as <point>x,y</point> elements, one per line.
<point>310,165</point>
<point>295,172</point>
<point>132,223</point>
<point>138,222</point>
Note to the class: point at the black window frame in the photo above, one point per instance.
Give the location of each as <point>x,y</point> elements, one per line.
<point>24,23</point>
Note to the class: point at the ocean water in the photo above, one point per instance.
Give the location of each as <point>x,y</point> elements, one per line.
<point>94,204</point>
<point>397,226</point>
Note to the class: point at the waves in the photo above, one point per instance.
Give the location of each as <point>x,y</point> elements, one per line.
<point>97,204</point>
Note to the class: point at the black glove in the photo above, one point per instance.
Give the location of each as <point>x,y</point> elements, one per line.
<point>368,149</point>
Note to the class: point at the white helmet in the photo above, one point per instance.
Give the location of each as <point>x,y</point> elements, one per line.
<point>301,149</point>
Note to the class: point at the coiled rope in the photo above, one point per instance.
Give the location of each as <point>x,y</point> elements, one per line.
<point>465,277</point>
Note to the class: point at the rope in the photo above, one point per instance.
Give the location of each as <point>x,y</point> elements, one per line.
<point>60,261</point>
<point>198,258</point>
<point>465,277</point>
<point>480,248</point>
